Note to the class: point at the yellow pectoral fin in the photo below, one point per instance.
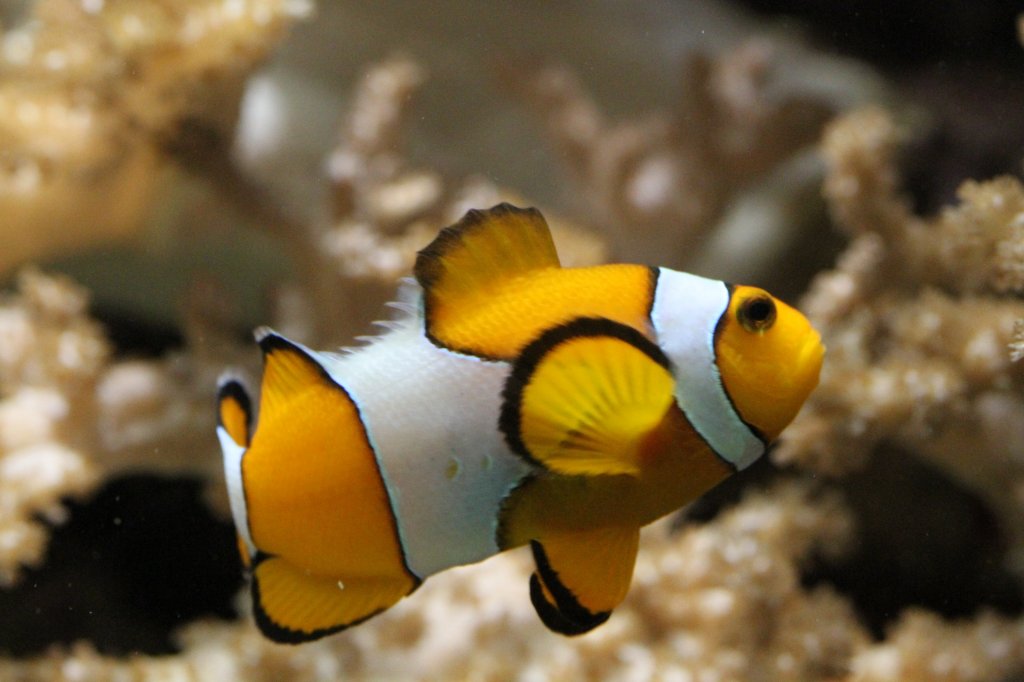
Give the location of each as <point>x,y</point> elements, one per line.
<point>584,397</point>
<point>293,606</point>
<point>581,576</point>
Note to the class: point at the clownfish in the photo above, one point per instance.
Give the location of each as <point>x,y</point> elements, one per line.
<point>515,402</point>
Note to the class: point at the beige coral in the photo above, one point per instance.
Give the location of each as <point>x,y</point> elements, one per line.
<point>659,183</point>
<point>93,95</point>
<point>69,416</point>
<point>51,354</point>
<point>918,318</point>
<point>918,315</point>
<point>923,648</point>
<point>385,208</point>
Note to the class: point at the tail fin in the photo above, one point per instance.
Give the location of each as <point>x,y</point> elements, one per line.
<point>234,430</point>
<point>292,605</point>
<point>234,409</point>
<point>329,554</point>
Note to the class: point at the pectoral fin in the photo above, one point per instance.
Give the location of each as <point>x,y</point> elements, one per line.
<point>293,606</point>
<point>585,396</point>
<point>582,576</point>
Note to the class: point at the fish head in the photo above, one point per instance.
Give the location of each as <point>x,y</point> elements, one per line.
<point>769,358</point>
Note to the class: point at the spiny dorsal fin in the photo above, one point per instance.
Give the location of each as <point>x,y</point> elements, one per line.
<point>488,246</point>
<point>585,397</point>
<point>463,267</point>
<point>581,576</point>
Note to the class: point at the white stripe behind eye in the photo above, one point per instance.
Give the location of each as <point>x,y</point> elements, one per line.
<point>685,313</point>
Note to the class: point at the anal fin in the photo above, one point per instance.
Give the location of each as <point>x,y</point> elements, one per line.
<point>293,606</point>
<point>555,619</point>
<point>582,576</point>
<point>585,397</point>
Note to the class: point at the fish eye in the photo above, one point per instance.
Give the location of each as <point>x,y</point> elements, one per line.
<point>757,313</point>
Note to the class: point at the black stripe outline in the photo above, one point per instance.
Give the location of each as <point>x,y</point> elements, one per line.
<point>510,418</point>
<point>233,387</point>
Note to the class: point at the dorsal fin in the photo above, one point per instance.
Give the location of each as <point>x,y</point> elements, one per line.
<point>485,247</point>
<point>468,262</point>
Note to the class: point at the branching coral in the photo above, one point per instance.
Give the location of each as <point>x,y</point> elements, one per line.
<point>918,319</point>
<point>92,93</point>
<point>923,648</point>
<point>50,356</point>
<point>680,168</point>
<point>69,416</point>
<point>385,207</point>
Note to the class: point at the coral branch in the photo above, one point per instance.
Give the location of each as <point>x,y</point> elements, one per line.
<point>919,318</point>
<point>93,93</point>
<point>676,168</point>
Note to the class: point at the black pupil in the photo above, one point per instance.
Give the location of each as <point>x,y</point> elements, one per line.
<point>759,310</point>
